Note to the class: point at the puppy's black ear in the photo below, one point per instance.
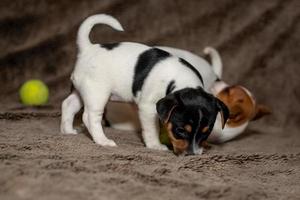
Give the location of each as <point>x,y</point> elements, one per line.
<point>224,112</point>
<point>165,107</point>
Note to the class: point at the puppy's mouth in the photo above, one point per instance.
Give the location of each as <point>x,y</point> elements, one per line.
<point>197,151</point>
<point>235,115</point>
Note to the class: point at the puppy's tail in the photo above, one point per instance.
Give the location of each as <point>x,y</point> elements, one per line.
<point>215,60</point>
<point>85,28</point>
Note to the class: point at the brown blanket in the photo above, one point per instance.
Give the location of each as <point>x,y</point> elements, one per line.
<point>259,44</point>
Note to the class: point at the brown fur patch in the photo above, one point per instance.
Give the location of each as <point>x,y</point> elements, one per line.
<point>179,145</point>
<point>241,106</point>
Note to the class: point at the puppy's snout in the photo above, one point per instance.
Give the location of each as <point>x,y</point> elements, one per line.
<point>185,152</point>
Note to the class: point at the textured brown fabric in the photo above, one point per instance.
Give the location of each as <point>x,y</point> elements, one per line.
<point>259,41</point>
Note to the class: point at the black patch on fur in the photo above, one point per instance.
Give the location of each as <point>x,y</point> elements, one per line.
<point>187,64</point>
<point>146,61</point>
<point>110,46</point>
<point>218,80</point>
<point>171,87</point>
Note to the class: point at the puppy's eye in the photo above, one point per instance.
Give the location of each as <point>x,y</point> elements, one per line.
<point>205,129</point>
<point>181,132</point>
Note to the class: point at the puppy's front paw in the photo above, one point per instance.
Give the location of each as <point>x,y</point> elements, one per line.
<point>160,147</point>
<point>69,131</point>
<point>106,142</point>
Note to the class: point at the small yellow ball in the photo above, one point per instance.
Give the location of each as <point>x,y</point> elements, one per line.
<point>34,93</point>
<point>163,136</point>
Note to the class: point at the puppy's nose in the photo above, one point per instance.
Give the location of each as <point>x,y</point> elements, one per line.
<point>189,152</point>
<point>194,151</point>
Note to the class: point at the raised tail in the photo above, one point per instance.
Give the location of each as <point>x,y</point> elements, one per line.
<point>85,28</point>
<point>215,60</point>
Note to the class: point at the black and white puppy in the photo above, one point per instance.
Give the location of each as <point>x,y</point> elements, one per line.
<point>156,81</point>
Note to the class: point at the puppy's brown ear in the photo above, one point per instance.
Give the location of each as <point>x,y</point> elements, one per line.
<point>224,112</point>
<point>165,107</point>
<point>260,111</point>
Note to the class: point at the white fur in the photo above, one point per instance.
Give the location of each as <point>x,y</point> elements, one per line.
<point>100,73</point>
<point>70,106</point>
<point>228,133</point>
<point>86,27</point>
<point>218,87</point>
<point>215,59</point>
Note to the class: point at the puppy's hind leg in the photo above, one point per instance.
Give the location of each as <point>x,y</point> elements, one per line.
<point>70,106</point>
<point>93,113</point>
<point>150,132</point>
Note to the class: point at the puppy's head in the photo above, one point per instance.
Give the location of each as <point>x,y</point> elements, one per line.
<point>189,116</point>
<point>242,105</point>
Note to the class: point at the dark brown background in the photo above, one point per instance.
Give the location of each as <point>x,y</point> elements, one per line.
<point>259,41</point>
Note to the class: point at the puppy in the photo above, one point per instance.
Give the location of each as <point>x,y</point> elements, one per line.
<point>243,109</point>
<point>158,82</point>
<point>240,101</point>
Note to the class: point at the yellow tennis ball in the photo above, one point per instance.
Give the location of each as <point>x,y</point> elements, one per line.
<point>163,136</point>
<point>34,92</point>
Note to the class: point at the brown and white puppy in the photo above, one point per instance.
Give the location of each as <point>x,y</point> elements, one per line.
<point>243,109</point>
